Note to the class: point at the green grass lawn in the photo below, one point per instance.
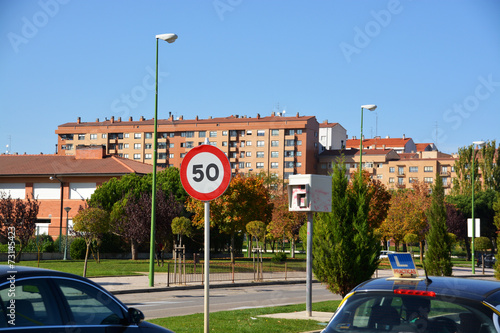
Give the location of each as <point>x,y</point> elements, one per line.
<point>248,320</point>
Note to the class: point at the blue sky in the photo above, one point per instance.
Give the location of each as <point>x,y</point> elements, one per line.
<point>428,65</point>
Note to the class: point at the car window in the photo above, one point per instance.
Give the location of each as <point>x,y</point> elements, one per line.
<point>366,312</point>
<point>90,306</point>
<point>28,303</point>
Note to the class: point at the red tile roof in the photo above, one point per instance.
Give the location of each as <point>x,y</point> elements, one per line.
<point>389,142</point>
<point>35,165</point>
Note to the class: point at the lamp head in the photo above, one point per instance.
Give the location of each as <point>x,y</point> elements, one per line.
<point>170,38</point>
<point>51,178</point>
<point>370,107</point>
<point>479,143</point>
<point>67,209</point>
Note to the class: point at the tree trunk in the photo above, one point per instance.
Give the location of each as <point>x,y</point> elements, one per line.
<point>133,249</point>
<point>292,248</point>
<point>231,248</point>
<point>86,259</point>
<point>249,245</point>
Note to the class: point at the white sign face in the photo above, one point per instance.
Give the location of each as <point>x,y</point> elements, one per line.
<point>477,225</point>
<point>205,172</point>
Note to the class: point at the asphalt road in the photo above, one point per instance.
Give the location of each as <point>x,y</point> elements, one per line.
<point>184,302</point>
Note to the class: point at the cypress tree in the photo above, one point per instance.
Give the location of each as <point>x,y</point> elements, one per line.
<point>345,249</point>
<point>438,255</point>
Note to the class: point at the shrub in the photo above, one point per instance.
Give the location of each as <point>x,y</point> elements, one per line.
<point>77,249</point>
<point>279,257</point>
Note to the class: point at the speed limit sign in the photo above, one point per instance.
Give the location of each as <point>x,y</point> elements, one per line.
<point>205,172</point>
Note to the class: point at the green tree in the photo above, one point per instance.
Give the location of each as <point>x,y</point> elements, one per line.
<point>345,248</point>
<point>90,224</point>
<point>182,226</point>
<point>438,255</point>
<point>257,229</point>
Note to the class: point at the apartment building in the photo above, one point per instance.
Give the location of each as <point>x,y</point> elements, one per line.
<point>274,144</point>
<point>61,182</point>
<point>400,145</point>
<point>395,170</point>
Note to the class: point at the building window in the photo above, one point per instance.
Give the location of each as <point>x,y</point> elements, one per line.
<point>248,164</point>
<point>126,135</point>
<point>150,145</point>
<point>248,143</point>
<point>187,144</point>
<point>275,132</point>
<point>299,131</point>
<point>81,136</point>
<point>137,135</point>
<point>147,156</point>
<point>401,170</point>
<point>161,145</point>
<point>93,136</point>
<point>242,144</point>
<point>224,143</point>
<point>233,133</point>
<point>274,165</point>
<point>249,154</point>
<point>428,169</point>
<point>428,180</point>
<point>213,134</point>
<point>260,154</point>
<point>233,155</point>
<point>162,156</point>
<point>289,132</point>
<point>289,143</point>
<point>298,153</point>
<point>289,164</point>
<point>170,155</point>
<point>392,170</point>
<point>249,132</point>
<point>275,154</point>
<point>260,143</point>
<point>259,165</point>
<point>275,143</point>
<point>391,180</point>
<point>125,145</point>
<point>171,135</point>
<point>241,165</point>
<point>125,155</point>
<point>299,142</point>
<point>103,135</point>
<point>137,156</point>
<point>187,134</point>
<point>224,133</point>
<point>445,181</point>
<point>171,145</point>
<point>183,154</point>
<point>412,179</point>
<point>289,153</point>
<point>401,181</point>
<point>413,169</point>
<point>148,135</point>
<point>261,132</point>
<point>233,144</point>
<point>202,134</point>
<point>137,146</point>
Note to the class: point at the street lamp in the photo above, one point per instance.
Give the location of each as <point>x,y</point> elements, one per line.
<point>67,209</point>
<point>170,38</point>
<point>474,144</point>
<point>61,212</point>
<point>370,107</point>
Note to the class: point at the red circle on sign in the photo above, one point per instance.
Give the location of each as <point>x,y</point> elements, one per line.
<point>216,155</point>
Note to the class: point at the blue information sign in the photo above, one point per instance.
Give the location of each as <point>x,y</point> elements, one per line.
<point>402,264</point>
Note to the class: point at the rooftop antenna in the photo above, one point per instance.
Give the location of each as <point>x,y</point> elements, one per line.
<point>9,146</point>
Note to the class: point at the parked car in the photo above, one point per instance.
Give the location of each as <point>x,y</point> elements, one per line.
<point>43,300</point>
<point>437,304</point>
<point>489,260</point>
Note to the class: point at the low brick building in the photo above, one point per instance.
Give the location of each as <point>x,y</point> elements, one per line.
<point>58,181</point>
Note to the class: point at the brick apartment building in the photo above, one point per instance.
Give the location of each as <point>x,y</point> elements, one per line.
<point>274,144</point>
<point>45,177</point>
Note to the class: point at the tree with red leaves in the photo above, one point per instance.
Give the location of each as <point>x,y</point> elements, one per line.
<point>20,215</point>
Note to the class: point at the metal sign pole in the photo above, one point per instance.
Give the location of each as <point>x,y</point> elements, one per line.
<point>309,264</point>
<point>207,265</point>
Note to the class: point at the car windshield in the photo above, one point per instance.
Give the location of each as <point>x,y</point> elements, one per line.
<point>389,312</point>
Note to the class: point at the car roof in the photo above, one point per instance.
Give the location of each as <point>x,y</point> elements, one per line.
<point>474,289</point>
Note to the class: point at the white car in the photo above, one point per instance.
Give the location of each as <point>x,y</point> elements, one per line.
<point>384,253</point>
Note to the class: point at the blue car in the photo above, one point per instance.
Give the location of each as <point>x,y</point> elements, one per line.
<point>42,300</point>
<point>435,304</point>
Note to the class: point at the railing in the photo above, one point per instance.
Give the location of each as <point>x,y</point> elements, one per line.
<point>192,273</point>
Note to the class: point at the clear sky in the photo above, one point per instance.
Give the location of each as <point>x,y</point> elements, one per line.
<point>432,67</point>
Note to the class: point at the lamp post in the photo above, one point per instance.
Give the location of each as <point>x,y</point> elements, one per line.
<point>479,144</point>
<point>61,212</point>
<point>370,107</point>
<point>67,209</point>
<point>170,38</point>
